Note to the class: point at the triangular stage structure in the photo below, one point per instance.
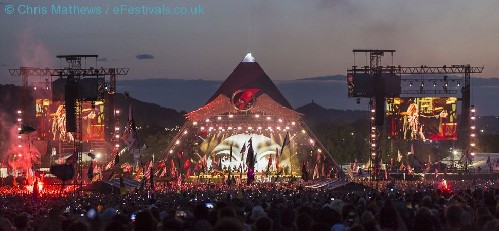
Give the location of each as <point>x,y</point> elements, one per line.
<point>247,106</point>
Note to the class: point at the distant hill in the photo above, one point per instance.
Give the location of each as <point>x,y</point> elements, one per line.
<point>316,114</point>
<point>326,78</point>
<point>190,95</point>
<point>145,113</point>
<point>328,91</point>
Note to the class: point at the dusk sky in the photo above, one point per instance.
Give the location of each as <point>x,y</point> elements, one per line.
<point>291,39</point>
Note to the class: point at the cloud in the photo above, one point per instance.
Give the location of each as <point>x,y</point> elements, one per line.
<point>102,59</point>
<point>144,56</point>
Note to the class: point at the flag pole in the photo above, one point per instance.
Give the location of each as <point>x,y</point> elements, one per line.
<point>230,163</point>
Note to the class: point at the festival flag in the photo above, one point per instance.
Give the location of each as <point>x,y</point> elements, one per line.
<point>158,172</point>
<point>126,167</point>
<point>148,170</point>
<point>304,174</point>
<point>90,172</point>
<point>402,166</point>
<point>203,163</point>
<point>355,166</point>
<point>276,160</point>
<point>187,163</point>
<point>130,134</point>
<point>31,173</point>
<point>151,179</point>
<point>269,164</point>
<point>488,160</point>
<point>72,159</point>
<point>180,156</point>
<point>243,151</point>
<point>230,156</point>
<point>35,191</point>
<point>109,165</point>
<point>285,142</point>
<point>250,160</point>
<point>138,172</point>
<point>163,172</point>
<point>230,161</point>
<point>367,165</point>
<point>412,149</point>
<point>116,159</point>
<point>172,168</point>
<point>241,171</point>
<point>116,166</point>
<point>179,180</point>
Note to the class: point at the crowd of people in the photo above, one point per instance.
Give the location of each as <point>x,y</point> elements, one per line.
<point>363,205</point>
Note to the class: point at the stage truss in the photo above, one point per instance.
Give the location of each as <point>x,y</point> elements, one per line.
<point>420,75</point>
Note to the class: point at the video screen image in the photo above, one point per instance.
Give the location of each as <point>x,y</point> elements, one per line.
<point>52,120</point>
<point>426,118</point>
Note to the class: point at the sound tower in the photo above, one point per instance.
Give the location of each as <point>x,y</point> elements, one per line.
<point>70,97</point>
<point>379,95</point>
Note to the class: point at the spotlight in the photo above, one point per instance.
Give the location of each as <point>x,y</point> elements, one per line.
<point>434,84</point>
<point>458,83</point>
<point>410,84</point>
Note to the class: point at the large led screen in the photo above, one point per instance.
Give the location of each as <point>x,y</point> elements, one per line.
<point>427,118</point>
<point>53,115</point>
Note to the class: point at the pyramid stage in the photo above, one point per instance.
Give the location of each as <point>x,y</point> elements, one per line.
<point>248,126</point>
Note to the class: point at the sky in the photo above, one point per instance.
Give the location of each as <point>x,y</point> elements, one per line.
<point>290,39</point>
